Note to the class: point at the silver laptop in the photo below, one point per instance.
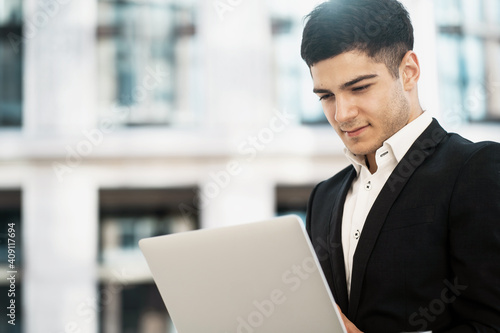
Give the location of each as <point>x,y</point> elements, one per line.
<point>260,277</point>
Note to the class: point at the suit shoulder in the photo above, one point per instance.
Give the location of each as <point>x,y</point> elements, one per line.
<point>322,197</point>
<point>466,149</point>
<point>335,180</point>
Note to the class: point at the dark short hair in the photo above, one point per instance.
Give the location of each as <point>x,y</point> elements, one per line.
<point>380,28</point>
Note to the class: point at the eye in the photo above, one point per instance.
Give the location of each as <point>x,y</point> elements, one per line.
<point>325,97</point>
<point>357,89</point>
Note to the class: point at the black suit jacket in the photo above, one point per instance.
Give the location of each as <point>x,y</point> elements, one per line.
<point>429,253</point>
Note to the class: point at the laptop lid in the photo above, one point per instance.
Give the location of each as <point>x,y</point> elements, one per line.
<point>260,277</point>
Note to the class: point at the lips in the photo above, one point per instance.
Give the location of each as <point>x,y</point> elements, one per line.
<point>355,132</point>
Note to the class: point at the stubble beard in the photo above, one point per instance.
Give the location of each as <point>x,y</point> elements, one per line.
<point>395,117</point>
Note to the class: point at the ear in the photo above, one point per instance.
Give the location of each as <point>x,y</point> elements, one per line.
<point>409,70</point>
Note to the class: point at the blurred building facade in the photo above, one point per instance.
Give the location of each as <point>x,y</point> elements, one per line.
<point>126,119</point>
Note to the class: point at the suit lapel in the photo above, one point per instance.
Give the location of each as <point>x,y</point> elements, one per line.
<point>335,242</point>
<point>422,148</point>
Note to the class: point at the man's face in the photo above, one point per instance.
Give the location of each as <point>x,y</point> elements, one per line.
<point>363,102</point>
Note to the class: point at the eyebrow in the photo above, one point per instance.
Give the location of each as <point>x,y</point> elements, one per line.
<point>347,84</point>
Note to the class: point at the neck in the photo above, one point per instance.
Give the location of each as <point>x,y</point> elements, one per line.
<point>370,160</point>
<point>371,163</point>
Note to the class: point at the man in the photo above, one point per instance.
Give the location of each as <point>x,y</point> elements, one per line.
<point>408,236</point>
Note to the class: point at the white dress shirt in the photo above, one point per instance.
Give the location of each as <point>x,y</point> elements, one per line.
<point>366,186</point>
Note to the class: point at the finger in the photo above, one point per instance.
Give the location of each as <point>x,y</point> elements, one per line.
<point>351,328</point>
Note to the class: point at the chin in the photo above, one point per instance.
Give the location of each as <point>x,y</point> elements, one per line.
<point>363,150</point>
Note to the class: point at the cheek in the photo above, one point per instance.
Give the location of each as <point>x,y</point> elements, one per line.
<point>372,105</point>
<point>329,111</point>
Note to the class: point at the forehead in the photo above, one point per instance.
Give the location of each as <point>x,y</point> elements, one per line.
<point>345,67</point>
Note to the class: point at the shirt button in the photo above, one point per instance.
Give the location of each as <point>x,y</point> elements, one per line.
<point>357,234</point>
<point>368,186</point>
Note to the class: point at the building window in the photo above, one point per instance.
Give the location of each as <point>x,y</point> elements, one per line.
<point>10,216</point>
<point>126,216</point>
<point>11,69</point>
<point>145,60</point>
<point>293,200</point>
<point>468,49</point>
<point>138,308</point>
<point>292,84</point>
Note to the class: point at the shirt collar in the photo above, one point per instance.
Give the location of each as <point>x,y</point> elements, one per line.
<point>397,145</point>
<point>357,161</point>
<point>402,140</point>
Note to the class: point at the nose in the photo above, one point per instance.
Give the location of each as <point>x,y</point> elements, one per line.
<point>345,110</point>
